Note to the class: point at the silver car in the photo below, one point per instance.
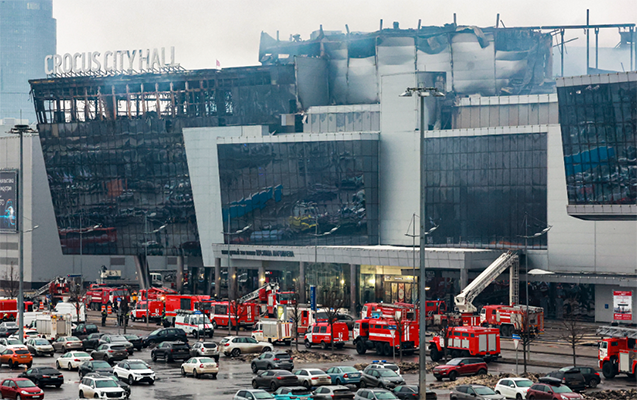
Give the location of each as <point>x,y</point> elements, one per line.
<point>205,349</point>
<point>252,394</point>
<point>311,377</point>
<point>374,394</point>
<point>237,345</point>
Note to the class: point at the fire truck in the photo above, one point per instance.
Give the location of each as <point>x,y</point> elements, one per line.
<point>155,293</point>
<point>617,353</point>
<point>510,319</point>
<point>154,313</point>
<point>465,341</point>
<point>175,302</point>
<point>273,331</point>
<point>99,295</point>
<point>8,309</point>
<point>385,334</point>
<point>320,333</point>
<point>246,316</point>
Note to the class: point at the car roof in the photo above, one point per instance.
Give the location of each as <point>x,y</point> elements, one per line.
<point>550,381</point>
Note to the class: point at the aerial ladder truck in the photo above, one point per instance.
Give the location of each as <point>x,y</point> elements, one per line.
<point>617,352</point>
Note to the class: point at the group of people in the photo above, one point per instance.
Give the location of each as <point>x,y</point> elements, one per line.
<point>123,314</point>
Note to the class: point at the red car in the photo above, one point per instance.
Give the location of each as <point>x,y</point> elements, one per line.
<point>460,367</point>
<point>20,388</point>
<point>551,389</point>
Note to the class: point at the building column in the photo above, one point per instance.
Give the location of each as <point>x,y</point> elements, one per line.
<point>261,275</point>
<point>232,283</point>
<point>194,278</point>
<point>301,289</point>
<point>353,294</point>
<point>217,278</point>
<point>179,285</point>
<point>464,278</point>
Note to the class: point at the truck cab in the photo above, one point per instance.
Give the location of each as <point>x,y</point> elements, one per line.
<point>320,333</point>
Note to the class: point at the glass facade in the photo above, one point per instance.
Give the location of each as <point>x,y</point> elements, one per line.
<point>479,189</point>
<point>300,193</point>
<point>599,136</point>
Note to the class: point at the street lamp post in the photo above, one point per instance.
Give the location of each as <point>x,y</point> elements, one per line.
<point>240,231</point>
<point>413,236</point>
<point>422,92</point>
<point>316,236</point>
<point>21,130</point>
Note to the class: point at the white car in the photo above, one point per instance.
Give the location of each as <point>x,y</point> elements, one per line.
<point>513,388</point>
<point>233,346</point>
<point>72,360</point>
<point>310,377</point>
<point>134,371</point>
<point>198,366</point>
<point>100,388</point>
<point>10,343</point>
<point>252,394</point>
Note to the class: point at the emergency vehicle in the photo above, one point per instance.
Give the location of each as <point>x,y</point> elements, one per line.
<point>194,323</point>
<point>273,331</point>
<point>388,310</point>
<point>155,293</point>
<point>467,341</point>
<point>175,302</point>
<point>154,313</point>
<point>246,316</point>
<point>510,319</point>
<point>617,354</point>
<point>320,333</point>
<point>8,309</point>
<point>384,335</point>
<point>99,295</point>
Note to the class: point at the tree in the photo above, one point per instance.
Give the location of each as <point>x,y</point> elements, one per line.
<point>401,325</point>
<point>527,336</point>
<point>76,296</point>
<point>295,315</point>
<point>11,282</point>
<point>573,332</point>
<point>236,311</point>
<point>333,301</point>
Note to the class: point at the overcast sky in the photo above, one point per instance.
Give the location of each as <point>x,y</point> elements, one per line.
<point>204,31</point>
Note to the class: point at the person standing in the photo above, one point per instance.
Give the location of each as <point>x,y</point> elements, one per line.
<point>104,315</point>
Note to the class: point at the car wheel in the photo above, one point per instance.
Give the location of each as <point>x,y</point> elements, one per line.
<point>69,366</point>
<point>96,396</point>
<point>593,383</point>
<point>235,353</point>
<point>338,381</point>
<point>273,386</point>
<point>151,382</point>
<point>323,345</point>
<point>307,385</point>
<point>255,385</point>
<point>363,384</point>
<point>81,396</point>
<point>269,366</point>
<point>518,396</point>
<point>106,358</point>
<point>183,371</point>
<point>439,378</point>
<point>195,374</point>
<point>214,376</point>
<point>214,324</point>
<point>254,368</point>
<point>482,371</point>
<point>57,365</point>
<point>453,375</point>
<point>308,344</point>
<point>531,397</point>
<point>57,385</point>
<point>266,349</point>
<point>130,380</point>
<point>153,356</point>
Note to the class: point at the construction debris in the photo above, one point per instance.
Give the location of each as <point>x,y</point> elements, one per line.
<point>305,356</point>
<point>620,394</point>
<point>486,380</point>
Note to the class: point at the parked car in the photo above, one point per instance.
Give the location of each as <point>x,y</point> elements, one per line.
<point>66,343</point>
<point>118,339</point>
<point>412,392</point>
<point>11,327</point>
<point>125,386</point>
<point>311,377</point>
<point>344,375</point>
<point>234,346</point>
<point>474,392</point>
<point>383,364</point>
<point>382,378</point>
<point>252,394</point>
<point>551,389</point>
<point>198,366</point>
<point>94,366</point>
<point>135,340</point>
<point>15,357</point>
<point>165,335</point>
<point>292,393</point>
<point>134,371</point>
<point>461,367</point>
<point>82,330</point>
<point>43,376</point>
<point>171,351</point>
<point>572,378</point>
<point>272,360</point>
<point>40,347</point>
<point>337,392</point>
<point>110,353</point>
<point>22,388</point>
<point>591,376</point>
<point>13,343</point>
<point>513,388</point>
<point>205,349</point>
<point>374,394</point>
<point>274,378</point>
<point>92,341</point>
<point>90,386</point>
<point>72,359</point>
<point>4,332</point>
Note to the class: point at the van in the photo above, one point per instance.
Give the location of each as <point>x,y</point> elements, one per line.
<point>194,323</point>
<point>69,308</point>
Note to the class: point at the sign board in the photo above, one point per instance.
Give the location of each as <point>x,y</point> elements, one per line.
<point>622,305</point>
<point>516,340</point>
<point>313,297</point>
<point>8,201</point>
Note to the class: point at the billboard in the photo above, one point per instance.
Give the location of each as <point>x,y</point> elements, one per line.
<point>622,305</point>
<point>8,201</point>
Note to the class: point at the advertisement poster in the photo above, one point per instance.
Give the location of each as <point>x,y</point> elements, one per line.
<point>622,305</point>
<point>8,201</point>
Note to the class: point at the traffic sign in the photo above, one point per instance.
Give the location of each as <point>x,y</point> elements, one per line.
<point>516,340</point>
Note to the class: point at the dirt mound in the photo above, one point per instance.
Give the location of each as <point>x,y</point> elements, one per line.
<point>486,380</point>
<point>620,394</point>
<point>305,356</point>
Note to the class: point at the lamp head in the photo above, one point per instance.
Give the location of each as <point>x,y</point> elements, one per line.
<point>406,93</point>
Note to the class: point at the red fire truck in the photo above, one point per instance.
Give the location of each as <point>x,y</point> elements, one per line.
<point>389,310</point>
<point>175,302</point>
<point>99,295</point>
<point>246,316</point>
<point>8,309</point>
<point>617,353</point>
<point>320,333</point>
<point>385,334</point>
<point>154,313</point>
<point>155,293</point>
<point>465,341</point>
<point>510,319</point>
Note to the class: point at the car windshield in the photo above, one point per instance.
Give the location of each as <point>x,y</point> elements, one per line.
<point>22,351</point>
<point>138,366</point>
<point>524,383</point>
<point>226,340</point>
<point>262,395</point>
<point>206,360</point>
<point>72,339</point>
<point>282,355</point>
<point>385,395</point>
<point>316,372</point>
<point>41,342</point>
<point>10,324</point>
<point>210,345</point>
<point>118,339</point>
<point>561,389</point>
<point>483,390</point>
<point>387,373</point>
<point>105,383</point>
<point>101,364</point>
<point>81,354</point>
<point>13,341</point>
<point>49,370</point>
<point>155,332</point>
<point>455,361</point>
<point>393,367</point>
<point>131,337</point>
<point>25,384</point>
<point>118,347</point>
<point>349,369</point>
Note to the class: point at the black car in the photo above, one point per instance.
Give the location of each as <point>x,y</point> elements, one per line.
<point>275,378</point>
<point>125,386</point>
<point>272,360</point>
<point>92,341</point>
<point>82,330</point>
<point>334,392</point>
<point>171,351</point>
<point>412,392</point>
<point>4,332</point>
<point>43,376</point>
<point>110,352</point>
<point>591,376</point>
<point>572,378</point>
<point>165,335</point>
<point>99,366</point>
<point>135,340</point>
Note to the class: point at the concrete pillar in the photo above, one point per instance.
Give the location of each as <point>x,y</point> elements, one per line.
<point>302,298</point>
<point>464,278</point>
<point>353,294</point>
<point>232,283</point>
<point>194,279</point>
<point>218,278</point>
<point>179,285</point>
<point>261,275</point>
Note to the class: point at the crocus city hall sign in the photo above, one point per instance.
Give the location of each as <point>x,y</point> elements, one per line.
<point>111,61</point>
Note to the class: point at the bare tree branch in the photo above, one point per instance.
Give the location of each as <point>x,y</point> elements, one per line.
<point>333,302</point>
<point>11,282</point>
<point>573,332</point>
